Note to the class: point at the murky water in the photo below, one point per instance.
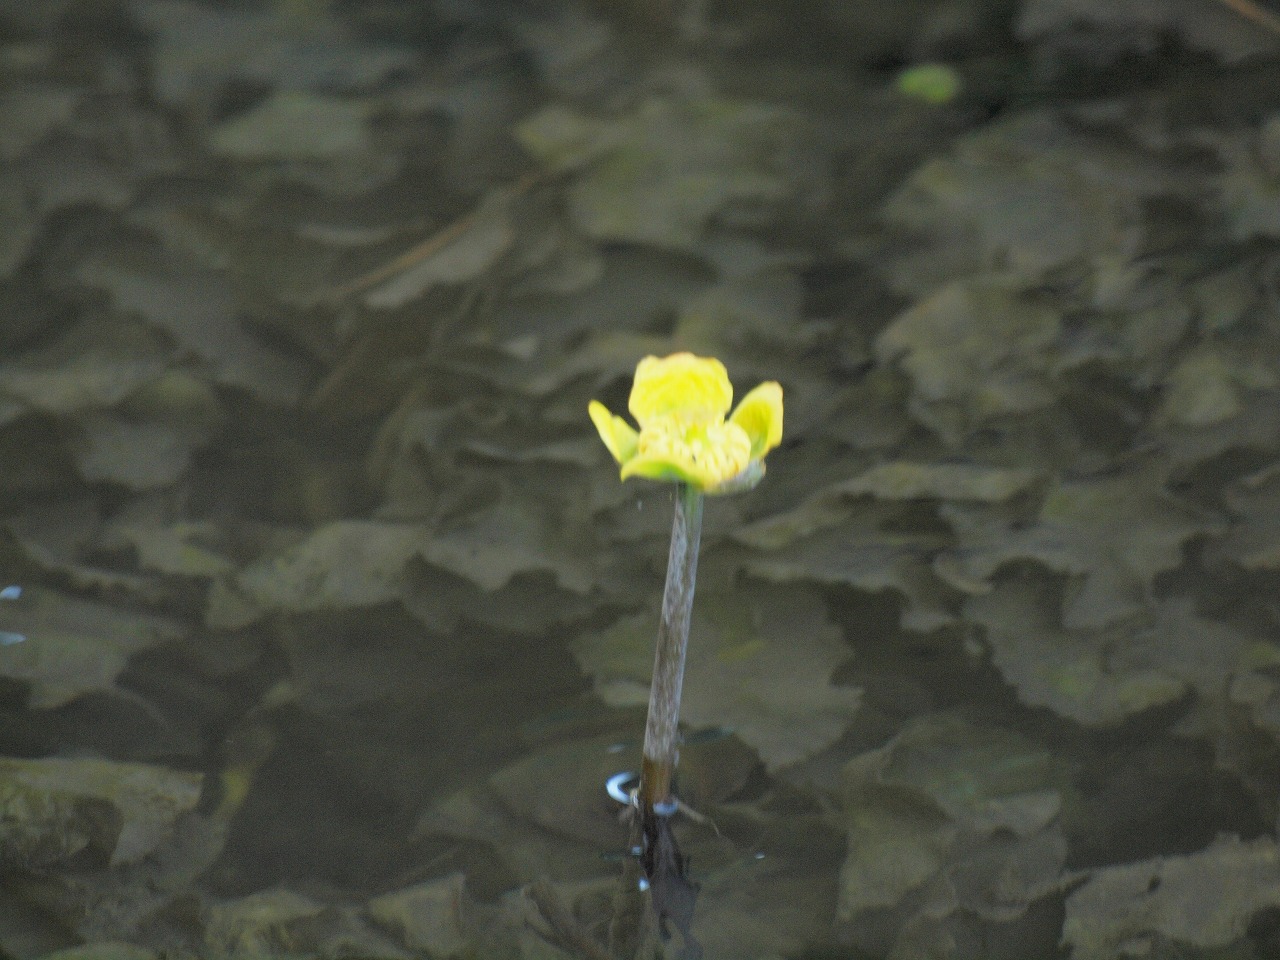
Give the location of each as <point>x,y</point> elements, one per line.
<point>325,617</point>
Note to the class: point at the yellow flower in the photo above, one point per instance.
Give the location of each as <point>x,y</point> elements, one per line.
<point>680,403</point>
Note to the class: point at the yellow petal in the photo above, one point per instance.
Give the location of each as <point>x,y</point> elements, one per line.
<point>619,436</point>
<point>662,468</point>
<point>760,416</point>
<point>751,475</point>
<point>704,455</point>
<point>695,386</point>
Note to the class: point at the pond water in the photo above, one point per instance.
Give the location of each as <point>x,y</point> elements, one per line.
<point>325,617</point>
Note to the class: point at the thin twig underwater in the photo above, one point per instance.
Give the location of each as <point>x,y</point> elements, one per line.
<point>680,403</point>
<point>1254,13</point>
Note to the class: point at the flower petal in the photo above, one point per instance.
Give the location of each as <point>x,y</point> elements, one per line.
<point>680,403</point>
<point>619,436</point>
<point>760,415</point>
<point>704,455</point>
<point>695,386</point>
<point>751,475</point>
<point>665,468</point>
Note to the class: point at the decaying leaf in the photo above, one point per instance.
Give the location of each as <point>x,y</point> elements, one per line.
<point>48,812</point>
<point>472,251</point>
<point>28,114</point>
<point>71,646</point>
<point>759,664</point>
<point>1201,901</point>
<point>560,787</point>
<point>200,50</point>
<point>770,903</point>
<point>515,536</point>
<point>428,917</point>
<point>136,455</point>
<point>183,549</point>
<point>983,779</point>
<point>898,841</point>
<point>974,351</point>
<point>349,563</point>
<point>835,539</point>
<point>1112,534</point>
<point>1252,540</point>
<point>104,950</point>
<point>16,227</point>
<point>1250,191</point>
<point>1211,27</point>
<point>1022,197</point>
<point>1207,385</point>
<point>89,368</point>
<point>658,174</point>
<point>295,126</point>
<point>1101,676</point>
<point>903,480</point>
<point>259,923</point>
<point>947,817</point>
<point>197,308</point>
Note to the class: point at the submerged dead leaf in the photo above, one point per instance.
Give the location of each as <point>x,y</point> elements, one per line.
<point>348,563</point>
<point>73,646</point>
<point>17,230</point>
<point>46,805</point>
<point>1021,197</point>
<point>198,309</point>
<point>1201,901</point>
<point>136,455</point>
<point>1112,534</point>
<point>361,563</point>
<point>87,368</point>
<point>898,841</point>
<point>514,536</point>
<point>1101,676</point>
<point>974,351</point>
<point>1207,386</point>
<point>200,50</point>
<point>466,250</point>
<point>1218,28</point>
<point>948,817</point>
<point>833,539</point>
<point>903,480</point>
<point>658,174</point>
<point>759,664</point>
<point>426,916</point>
<point>297,126</point>
<point>1252,541</point>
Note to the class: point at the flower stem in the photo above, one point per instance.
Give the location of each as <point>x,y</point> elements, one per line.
<point>661,737</point>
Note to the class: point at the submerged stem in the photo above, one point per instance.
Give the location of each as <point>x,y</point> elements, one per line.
<point>661,738</point>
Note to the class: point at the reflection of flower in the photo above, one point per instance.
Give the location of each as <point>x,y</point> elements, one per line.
<point>680,402</point>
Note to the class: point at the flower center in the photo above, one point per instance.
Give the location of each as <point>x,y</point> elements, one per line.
<point>713,448</point>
